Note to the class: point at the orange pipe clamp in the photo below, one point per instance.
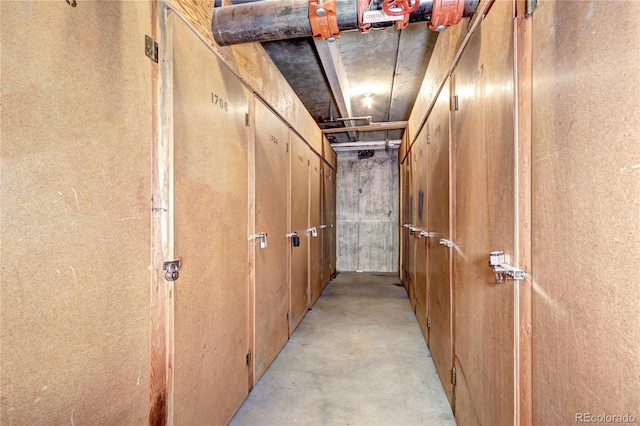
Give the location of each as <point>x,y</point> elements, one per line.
<point>363,6</point>
<point>446,13</point>
<point>324,20</point>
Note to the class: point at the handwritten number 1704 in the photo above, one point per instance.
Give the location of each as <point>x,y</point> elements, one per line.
<point>216,100</point>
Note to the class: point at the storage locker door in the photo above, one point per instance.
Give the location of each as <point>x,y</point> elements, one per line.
<point>211,234</point>
<point>485,222</point>
<point>413,201</point>
<point>76,180</point>
<point>299,223</point>
<point>271,287</point>
<point>586,212</point>
<point>334,226</point>
<point>315,241</point>
<point>326,217</point>
<point>401,217</point>
<point>439,256</point>
<point>407,238</point>
<point>421,287</point>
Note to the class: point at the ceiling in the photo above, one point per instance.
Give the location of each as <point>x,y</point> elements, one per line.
<point>334,80</point>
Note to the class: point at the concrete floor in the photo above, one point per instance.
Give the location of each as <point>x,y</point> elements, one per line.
<point>357,358</point>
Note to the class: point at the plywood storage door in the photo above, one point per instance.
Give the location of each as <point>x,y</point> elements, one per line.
<point>334,227</point>
<point>211,236</point>
<point>299,283</point>
<point>439,268</point>
<point>76,183</point>
<point>326,218</point>
<point>420,288</point>
<point>483,133</point>
<point>401,218</point>
<point>406,237</point>
<point>271,273</point>
<point>413,215</point>
<point>315,242</point>
<point>586,199</point>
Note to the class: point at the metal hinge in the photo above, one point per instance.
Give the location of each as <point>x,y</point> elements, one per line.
<point>171,269</point>
<point>248,357</point>
<point>454,376</point>
<point>151,48</point>
<point>288,314</point>
<point>247,120</point>
<point>287,146</point>
<point>428,322</point>
<point>454,103</point>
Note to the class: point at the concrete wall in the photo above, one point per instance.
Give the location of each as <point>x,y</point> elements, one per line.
<point>367,212</point>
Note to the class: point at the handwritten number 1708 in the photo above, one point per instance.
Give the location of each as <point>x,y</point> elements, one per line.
<point>216,100</point>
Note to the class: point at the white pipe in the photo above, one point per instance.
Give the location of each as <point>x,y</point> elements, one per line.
<point>358,146</point>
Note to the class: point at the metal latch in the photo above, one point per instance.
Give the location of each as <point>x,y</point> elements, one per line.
<point>313,231</point>
<point>295,239</point>
<point>496,262</point>
<point>262,236</point>
<point>426,234</point>
<point>446,242</point>
<point>411,228</point>
<point>171,269</point>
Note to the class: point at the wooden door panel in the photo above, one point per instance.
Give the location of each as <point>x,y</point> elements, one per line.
<point>299,223</point>
<point>586,211</point>
<point>485,220</point>
<point>420,221</point>
<point>315,242</point>
<point>271,286</point>
<point>76,182</point>
<point>326,231</point>
<point>439,268</point>
<point>406,238</point>
<point>211,226</point>
<point>333,225</point>
<point>413,215</point>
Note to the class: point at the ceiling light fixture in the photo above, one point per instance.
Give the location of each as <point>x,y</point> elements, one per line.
<point>368,102</point>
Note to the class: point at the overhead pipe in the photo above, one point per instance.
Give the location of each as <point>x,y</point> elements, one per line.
<point>358,146</point>
<point>371,127</point>
<point>367,118</point>
<point>268,20</point>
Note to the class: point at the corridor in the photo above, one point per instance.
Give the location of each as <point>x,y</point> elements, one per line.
<point>358,357</point>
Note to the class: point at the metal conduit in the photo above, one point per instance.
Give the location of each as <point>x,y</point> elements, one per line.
<point>267,20</point>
